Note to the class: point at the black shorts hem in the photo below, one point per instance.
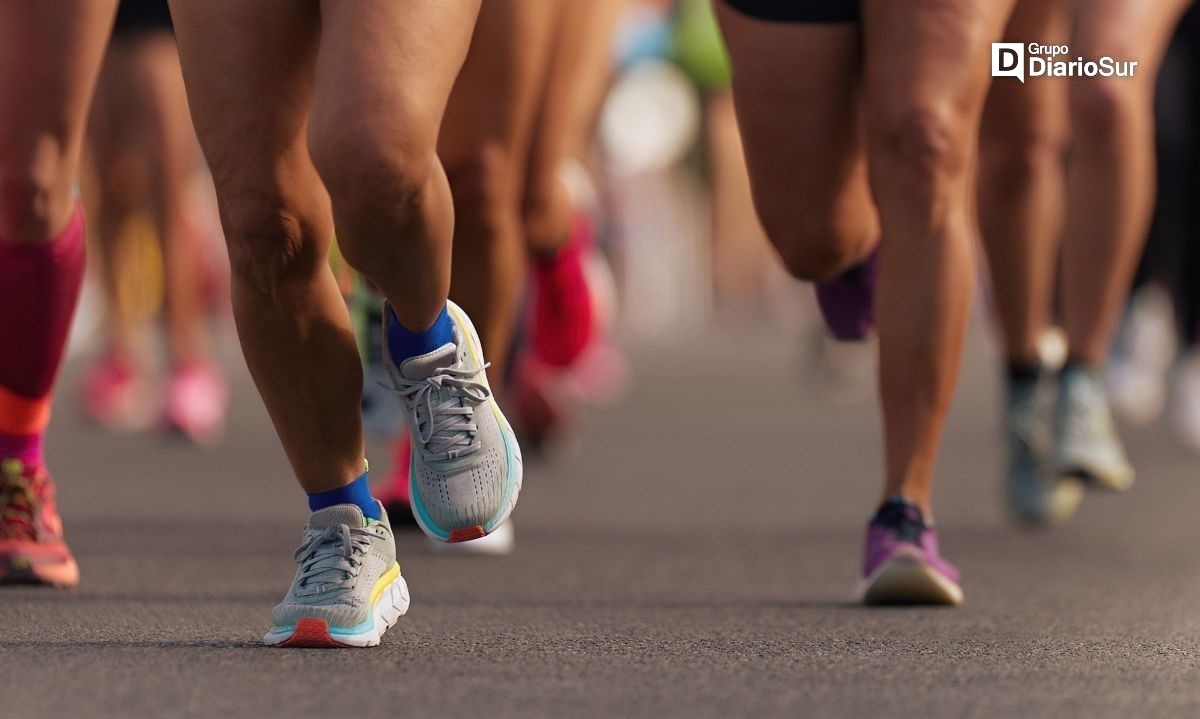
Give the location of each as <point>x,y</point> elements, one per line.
<point>798,11</point>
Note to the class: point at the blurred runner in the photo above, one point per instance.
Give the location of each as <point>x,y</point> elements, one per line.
<point>857,130</point>
<point>297,140</point>
<point>523,105</point>
<point>1107,195</point>
<point>50,54</point>
<point>1161,328</point>
<point>145,155</point>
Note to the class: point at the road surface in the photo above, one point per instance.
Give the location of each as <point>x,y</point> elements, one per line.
<point>694,557</point>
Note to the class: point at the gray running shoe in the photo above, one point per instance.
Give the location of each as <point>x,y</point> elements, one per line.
<point>1086,445</point>
<point>1035,494</point>
<point>465,472</point>
<point>348,590</point>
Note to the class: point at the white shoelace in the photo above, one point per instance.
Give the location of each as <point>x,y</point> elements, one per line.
<point>331,558</point>
<point>443,409</point>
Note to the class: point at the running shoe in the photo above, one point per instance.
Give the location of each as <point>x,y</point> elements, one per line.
<point>564,317</point>
<point>197,399</point>
<point>32,550</point>
<point>1086,445</point>
<point>901,564</point>
<point>1185,409</point>
<point>348,589</point>
<point>1146,345</point>
<point>1036,495</point>
<point>466,469</point>
<point>846,301</point>
<point>117,396</point>
<point>394,494</point>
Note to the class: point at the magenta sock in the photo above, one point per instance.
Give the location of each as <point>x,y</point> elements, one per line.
<point>39,287</point>
<point>25,447</point>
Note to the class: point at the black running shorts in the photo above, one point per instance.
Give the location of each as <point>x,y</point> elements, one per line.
<point>135,16</point>
<point>814,11</point>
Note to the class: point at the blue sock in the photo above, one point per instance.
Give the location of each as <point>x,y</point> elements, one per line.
<point>357,492</point>
<point>403,344</point>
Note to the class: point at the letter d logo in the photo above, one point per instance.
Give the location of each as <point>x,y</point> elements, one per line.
<point>1008,60</point>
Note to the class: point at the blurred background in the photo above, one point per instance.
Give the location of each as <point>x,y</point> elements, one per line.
<point>665,182</point>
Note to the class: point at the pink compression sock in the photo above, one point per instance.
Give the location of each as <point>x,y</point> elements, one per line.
<point>39,288</point>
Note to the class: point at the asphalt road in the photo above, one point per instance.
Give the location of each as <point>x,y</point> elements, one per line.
<point>694,557</point>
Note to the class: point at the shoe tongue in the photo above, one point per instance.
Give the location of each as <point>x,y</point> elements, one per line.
<point>347,514</point>
<point>423,366</point>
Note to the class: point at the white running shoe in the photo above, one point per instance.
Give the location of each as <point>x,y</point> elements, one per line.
<point>1142,357</point>
<point>1085,437</point>
<point>348,590</point>
<point>1185,404</point>
<point>465,472</point>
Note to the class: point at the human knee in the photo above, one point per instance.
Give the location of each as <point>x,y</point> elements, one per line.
<point>1017,157</point>
<point>367,170</point>
<point>35,191</point>
<point>484,184</point>
<point>813,246</point>
<point>371,175</point>
<point>273,250</point>
<point>1100,106</point>
<point>918,150</point>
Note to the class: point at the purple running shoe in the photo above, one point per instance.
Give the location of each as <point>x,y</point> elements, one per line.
<point>846,300</point>
<point>901,564</point>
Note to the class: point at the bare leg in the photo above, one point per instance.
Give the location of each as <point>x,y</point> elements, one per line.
<point>1110,187</point>
<point>1021,185</point>
<point>804,147</point>
<point>174,159</point>
<point>50,55</point>
<point>292,322</point>
<point>574,89</point>
<point>120,188</point>
<point>485,146</point>
<point>374,139</point>
<point>927,78</point>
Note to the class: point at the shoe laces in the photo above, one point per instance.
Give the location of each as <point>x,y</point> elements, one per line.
<point>442,407</point>
<point>18,502</point>
<point>1027,416</point>
<point>331,558</point>
<point>903,519</point>
<point>1086,416</point>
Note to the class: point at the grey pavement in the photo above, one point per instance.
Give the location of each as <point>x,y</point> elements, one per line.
<point>694,557</point>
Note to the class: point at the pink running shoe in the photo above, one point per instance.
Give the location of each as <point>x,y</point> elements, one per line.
<point>902,564</point>
<point>117,396</point>
<point>32,550</point>
<point>197,398</point>
<point>564,317</point>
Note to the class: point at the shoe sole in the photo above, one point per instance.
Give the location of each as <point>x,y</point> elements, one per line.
<point>512,451</point>
<point>22,570</point>
<point>908,580</point>
<point>497,544</point>
<point>314,632</point>
<point>1065,502</point>
<point>1120,479</point>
